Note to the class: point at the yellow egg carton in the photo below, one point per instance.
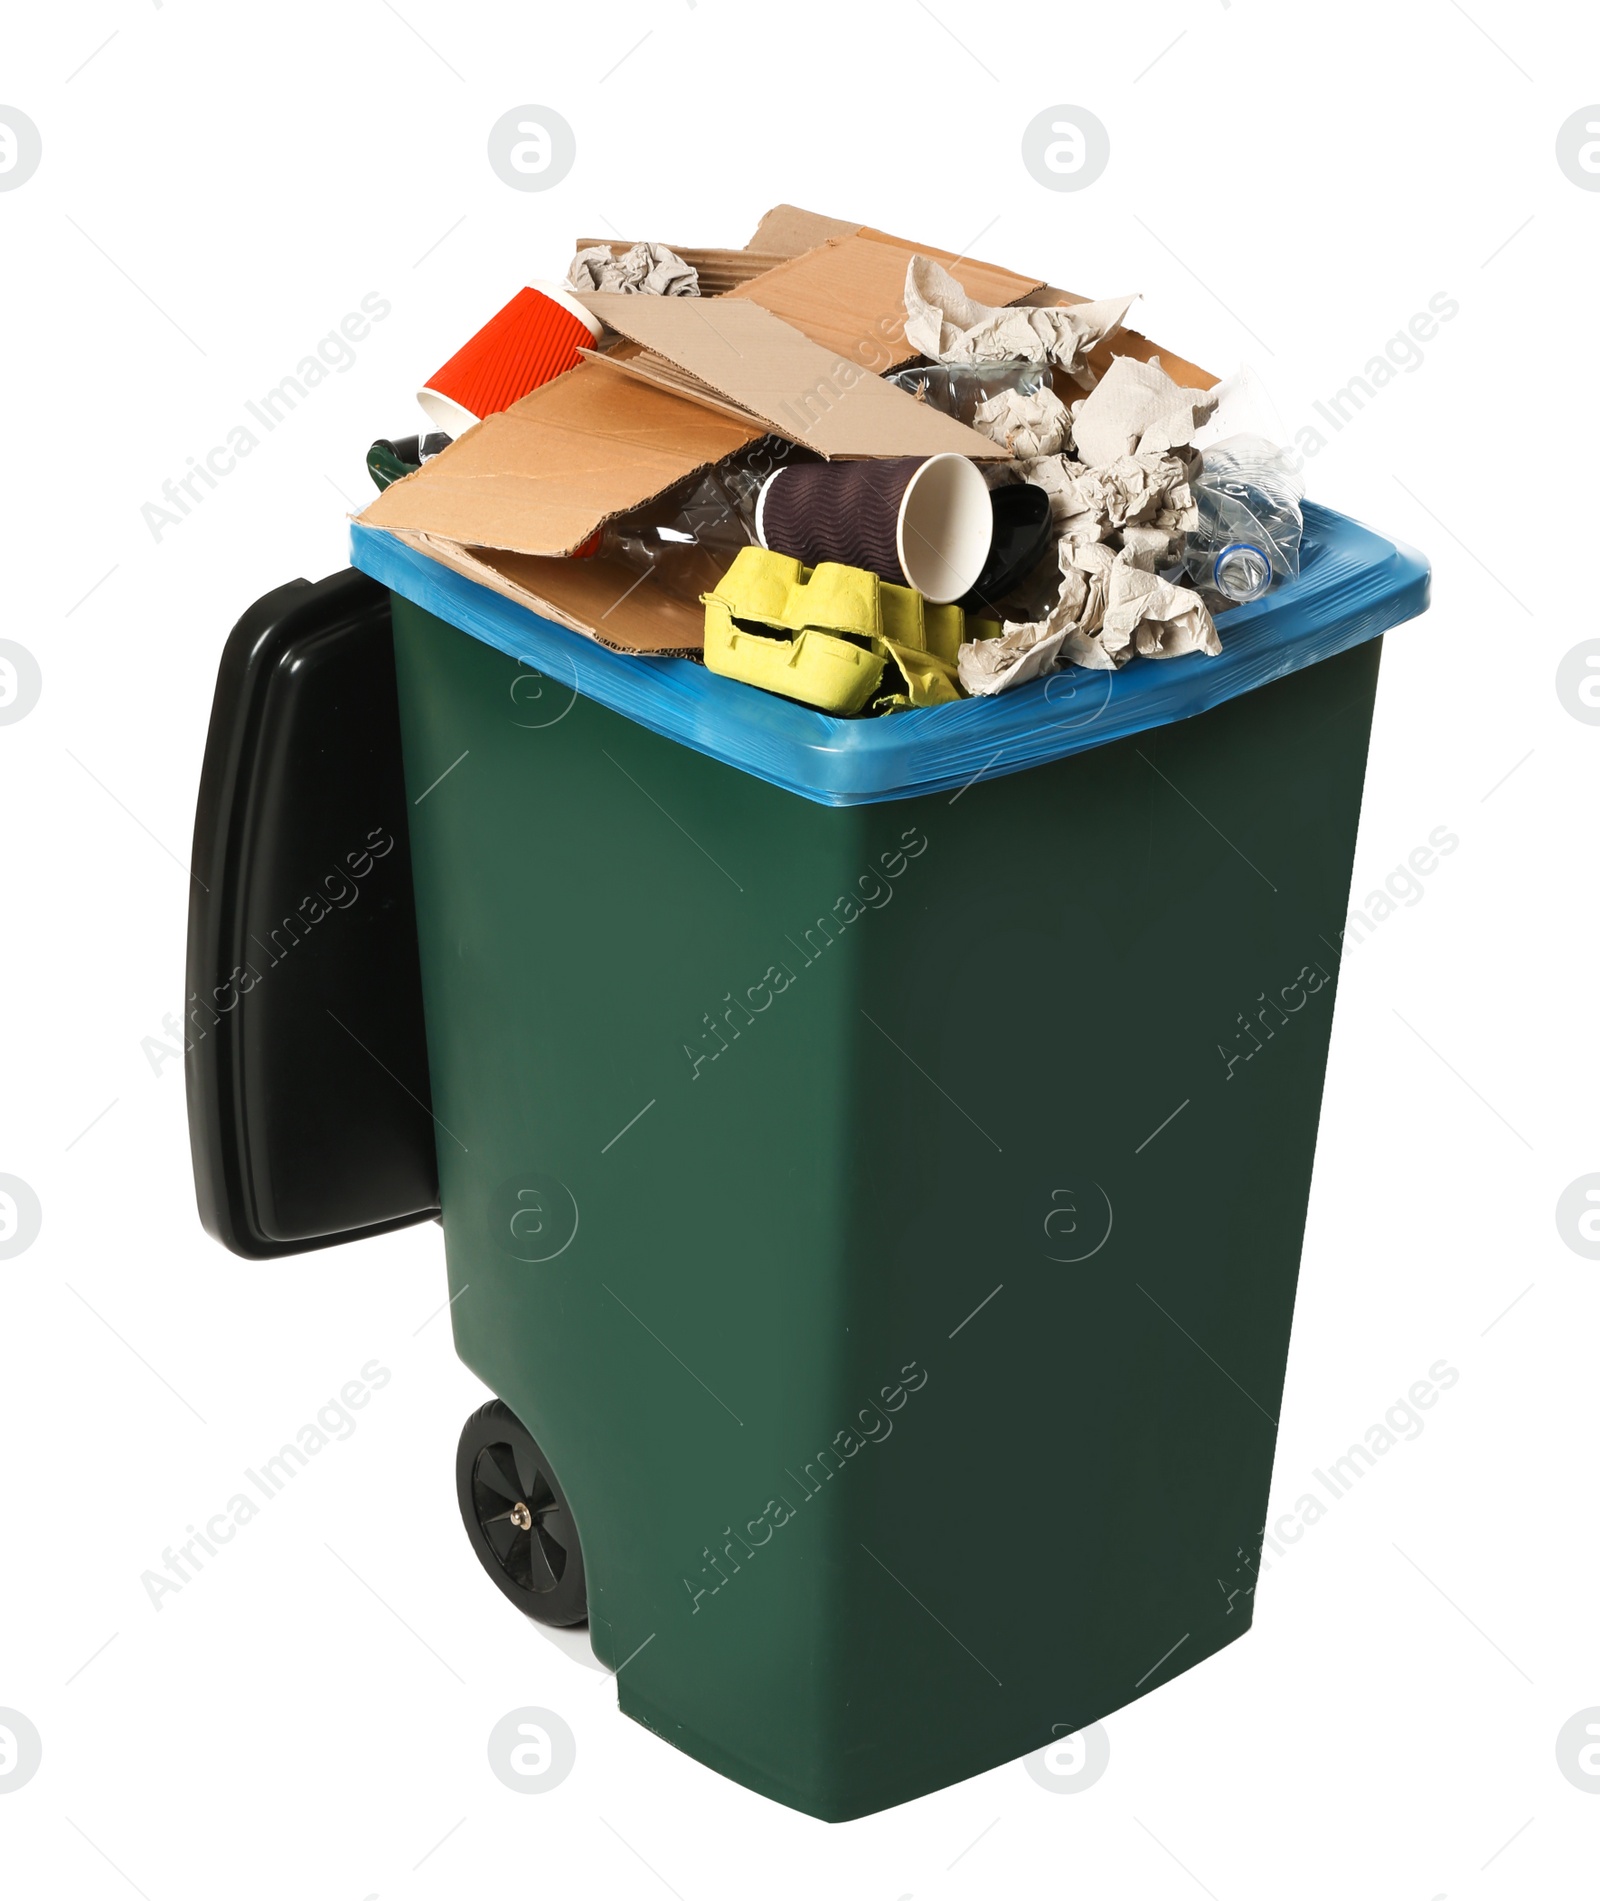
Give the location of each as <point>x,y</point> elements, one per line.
<point>825,635</point>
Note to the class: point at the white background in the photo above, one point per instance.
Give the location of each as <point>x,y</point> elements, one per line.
<point>1287,186</point>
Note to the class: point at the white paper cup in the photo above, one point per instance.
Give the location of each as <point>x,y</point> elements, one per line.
<point>945,526</point>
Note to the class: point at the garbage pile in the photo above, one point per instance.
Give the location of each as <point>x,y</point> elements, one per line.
<point>827,468</point>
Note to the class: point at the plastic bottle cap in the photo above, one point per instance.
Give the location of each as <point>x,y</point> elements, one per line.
<point>1242,572</point>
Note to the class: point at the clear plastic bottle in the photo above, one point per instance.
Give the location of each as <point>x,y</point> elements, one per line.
<point>1249,496</point>
<point>958,388</point>
<point>685,541</point>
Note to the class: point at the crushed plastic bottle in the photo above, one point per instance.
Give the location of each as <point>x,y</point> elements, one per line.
<point>1249,496</point>
<point>958,388</point>
<point>685,540</point>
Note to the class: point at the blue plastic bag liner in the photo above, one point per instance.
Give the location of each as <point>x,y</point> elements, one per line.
<point>1353,585</point>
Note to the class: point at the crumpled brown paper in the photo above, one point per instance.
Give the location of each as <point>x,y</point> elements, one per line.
<point>1137,409</point>
<point>1027,426</point>
<point>1010,659</point>
<point>1161,619</point>
<point>944,323</point>
<point>1109,609</point>
<point>1149,492</point>
<point>650,270</point>
<point>1026,650</point>
<point>1085,581</point>
<point>1146,545</point>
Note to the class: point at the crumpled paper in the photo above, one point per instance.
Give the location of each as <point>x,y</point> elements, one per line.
<point>1025,426</point>
<point>1022,653</point>
<point>1161,619</point>
<point>1109,609</point>
<point>944,323</point>
<point>1026,650</point>
<point>650,270</point>
<point>1137,409</point>
<point>1151,493</point>
<point>1085,581</point>
<point>1147,546</point>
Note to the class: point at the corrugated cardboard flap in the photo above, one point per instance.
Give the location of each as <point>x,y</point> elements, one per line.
<point>794,386</point>
<point>848,294</point>
<point>542,476</point>
<point>789,230</point>
<point>608,603</point>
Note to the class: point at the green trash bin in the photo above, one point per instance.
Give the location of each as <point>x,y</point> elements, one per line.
<point>874,1174</point>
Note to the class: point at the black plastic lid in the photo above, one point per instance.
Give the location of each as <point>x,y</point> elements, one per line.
<point>309,1108</point>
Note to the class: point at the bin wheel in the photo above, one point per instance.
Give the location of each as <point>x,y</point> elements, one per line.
<point>518,1518</point>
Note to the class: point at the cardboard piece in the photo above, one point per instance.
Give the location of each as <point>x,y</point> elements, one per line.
<point>608,602</point>
<point>765,368</point>
<point>650,368</point>
<point>788,230</point>
<point>848,294</point>
<point>542,476</point>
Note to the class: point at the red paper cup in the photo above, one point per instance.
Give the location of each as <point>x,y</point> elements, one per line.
<point>537,336</point>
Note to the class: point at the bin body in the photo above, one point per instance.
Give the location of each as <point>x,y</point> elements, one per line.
<point>886,1218</point>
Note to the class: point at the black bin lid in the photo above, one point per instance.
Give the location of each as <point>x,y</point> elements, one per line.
<point>310,1119</point>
